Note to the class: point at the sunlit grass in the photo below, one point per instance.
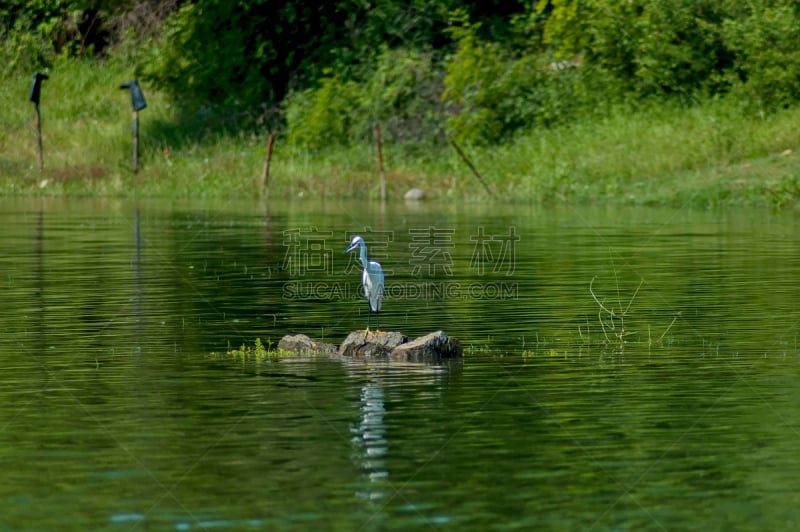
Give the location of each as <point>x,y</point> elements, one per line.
<point>657,154</point>
<point>716,152</point>
<point>257,352</point>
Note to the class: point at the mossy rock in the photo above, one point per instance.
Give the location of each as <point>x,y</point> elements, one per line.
<point>305,345</point>
<point>370,344</point>
<point>389,345</point>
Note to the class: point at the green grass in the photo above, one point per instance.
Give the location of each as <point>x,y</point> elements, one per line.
<point>713,153</point>
<point>259,352</point>
<point>661,154</point>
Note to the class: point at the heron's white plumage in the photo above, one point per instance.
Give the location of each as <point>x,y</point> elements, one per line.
<point>371,277</point>
<point>372,280</point>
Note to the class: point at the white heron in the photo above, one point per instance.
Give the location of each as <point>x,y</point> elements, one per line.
<point>371,277</point>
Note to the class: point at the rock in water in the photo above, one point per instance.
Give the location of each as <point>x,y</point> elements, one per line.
<point>387,345</point>
<point>415,194</point>
<point>434,345</point>
<point>368,344</point>
<point>303,345</point>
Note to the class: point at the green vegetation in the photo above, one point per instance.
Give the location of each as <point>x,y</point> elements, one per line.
<point>256,352</point>
<point>259,352</point>
<point>648,101</point>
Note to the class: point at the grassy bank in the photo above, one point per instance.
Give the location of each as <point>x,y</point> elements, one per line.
<point>713,153</point>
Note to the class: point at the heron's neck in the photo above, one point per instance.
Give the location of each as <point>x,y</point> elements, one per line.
<point>364,255</point>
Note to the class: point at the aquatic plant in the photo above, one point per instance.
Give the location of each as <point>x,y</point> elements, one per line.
<point>612,317</point>
<point>255,352</point>
<point>612,320</point>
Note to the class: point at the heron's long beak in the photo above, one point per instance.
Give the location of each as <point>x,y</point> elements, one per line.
<point>350,248</point>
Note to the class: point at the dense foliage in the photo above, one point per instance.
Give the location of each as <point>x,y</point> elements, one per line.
<point>426,70</point>
<point>33,32</point>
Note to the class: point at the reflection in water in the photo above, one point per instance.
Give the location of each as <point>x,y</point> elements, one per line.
<point>137,282</point>
<point>371,436</point>
<point>697,429</point>
<point>38,249</point>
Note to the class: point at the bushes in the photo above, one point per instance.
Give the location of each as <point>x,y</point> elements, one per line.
<point>556,62</point>
<point>474,71</point>
<point>324,116</point>
<point>481,93</point>
<point>661,47</point>
<point>767,65</point>
<point>29,50</point>
<point>27,33</point>
<point>34,32</point>
<point>491,92</point>
<point>400,92</point>
<point>565,60</point>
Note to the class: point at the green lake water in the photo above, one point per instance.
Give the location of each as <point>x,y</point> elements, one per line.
<point>623,369</point>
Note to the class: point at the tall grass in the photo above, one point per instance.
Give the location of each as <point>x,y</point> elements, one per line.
<point>657,153</point>
<point>715,151</point>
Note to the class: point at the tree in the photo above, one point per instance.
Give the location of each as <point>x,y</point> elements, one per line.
<point>256,51</point>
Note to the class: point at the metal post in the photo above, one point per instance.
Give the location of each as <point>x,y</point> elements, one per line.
<point>39,149</point>
<point>135,141</point>
<point>34,96</point>
<point>138,103</point>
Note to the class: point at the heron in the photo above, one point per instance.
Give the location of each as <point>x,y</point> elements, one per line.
<point>371,277</point>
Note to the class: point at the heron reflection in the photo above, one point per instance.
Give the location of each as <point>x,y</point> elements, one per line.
<point>370,434</point>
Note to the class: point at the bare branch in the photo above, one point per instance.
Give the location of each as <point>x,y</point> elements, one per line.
<point>641,282</point>
<point>670,326</point>
<point>603,307</point>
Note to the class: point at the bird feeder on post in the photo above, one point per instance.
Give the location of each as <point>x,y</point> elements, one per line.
<point>138,103</point>
<point>36,91</point>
